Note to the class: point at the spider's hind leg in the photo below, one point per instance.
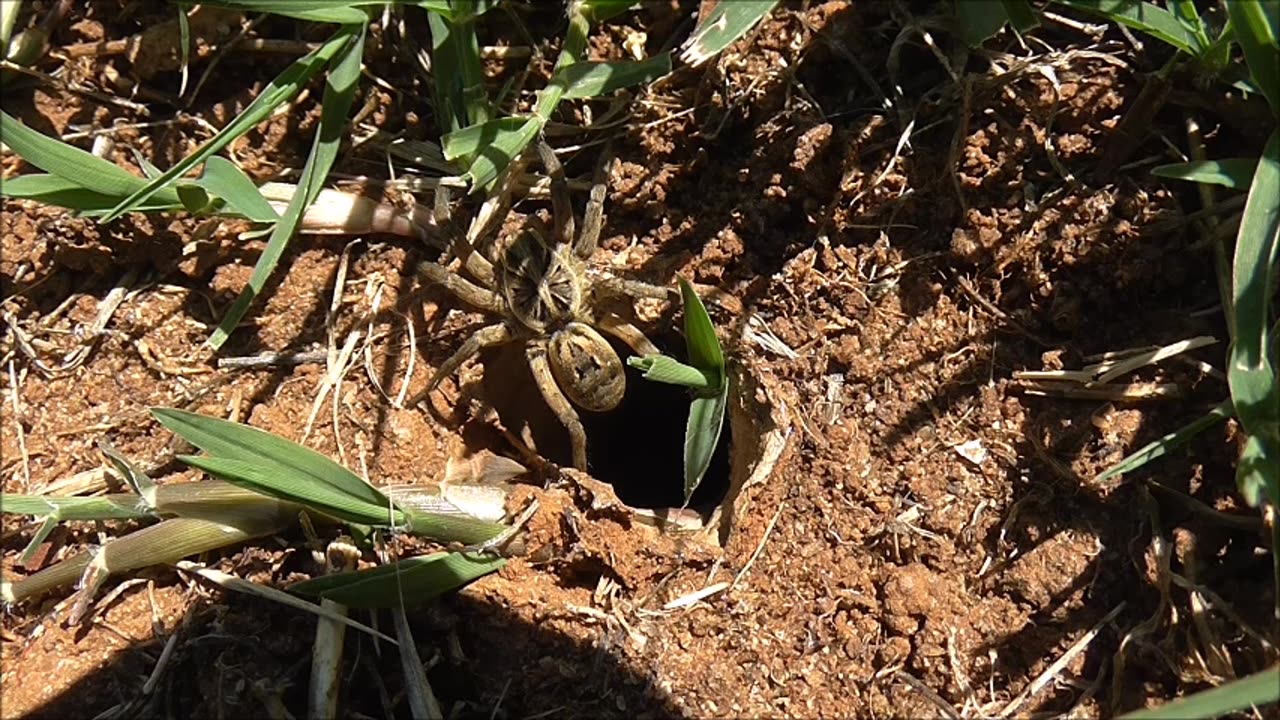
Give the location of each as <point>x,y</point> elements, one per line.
<point>536,352</point>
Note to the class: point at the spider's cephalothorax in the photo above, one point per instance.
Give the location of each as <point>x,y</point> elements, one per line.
<point>543,296</point>
<point>542,284</point>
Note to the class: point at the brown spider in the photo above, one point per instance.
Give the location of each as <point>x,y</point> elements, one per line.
<point>545,295</point>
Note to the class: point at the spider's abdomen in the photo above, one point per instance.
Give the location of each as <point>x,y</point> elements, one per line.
<point>586,368</point>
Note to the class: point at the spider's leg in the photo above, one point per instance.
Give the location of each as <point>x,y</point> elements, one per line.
<point>472,294</point>
<point>487,336</point>
<point>463,246</point>
<point>627,333</point>
<point>561,204</point>
<point>593,218</point>
<point>536,353</point>
<point>620,287</point>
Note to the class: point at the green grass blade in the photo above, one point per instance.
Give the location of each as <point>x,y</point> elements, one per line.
<point>706,412</point>
<point>42,533</point>
<point>222,179</point>
<point>231,582</point>
<point>458,527</point>
<point>292,487</point>
<point>278,92</point>
<point>117,506</point>
<point>704,346</point>
<point>1167,443</point>
<point>84,169</point>
<point>593,79</point>
<point>458,87</point>
<point>979,20</point>
<point>727,22</point>
<point>8,15</point>
<point>1144,17</point>
<point>339,91</point>
<point>1187,14</point>
<point>165,542</point>
<point>597,11</point>
<point>491,146</point>
<point>1251,372</point>
<point>137,480</point>
<point>61,192</point>
<point>343,12</point>
<point>1255,24</point>
<point>1234,173</point>
<point>416,580</point>
<point>701,436</point>
<point>666,369</point>
<point>289,470</point>
<point>1254,691</point>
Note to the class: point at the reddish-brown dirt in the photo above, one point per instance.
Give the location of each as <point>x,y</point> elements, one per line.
<point>909,241</point>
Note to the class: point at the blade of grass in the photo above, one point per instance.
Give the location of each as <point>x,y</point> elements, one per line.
<point>138,481</point>
<point>222,179</point>
<point>1167,443</point>
<point>598,11</point>
<point>278,92</point>
<point>702,435</point>
<point>339,91</point>
<point>458,85</point>
<point>84,170</point>
<point>162,543</point>
<point>666,369</point>
<point>706,411</point>
<point>8,15</point>
<point>980,20</point>
<point>1236,173</point>
<point>117,506</point>
<point>231,582</point>
<point>1254,691</point>
<point>422,700</point>
<point>421,579</point>
<point>704,347</point>
<point>1255,23</point>
<point>447,527</point>
<point>273,465</point>
<point>727,22</point>
<point>1142,16</point>
<point>491,147</point>
<point>293,487</point>
<point>343,12</point>
<point>1251,373</point>
<point>593,79</point>
<point>41,534</point>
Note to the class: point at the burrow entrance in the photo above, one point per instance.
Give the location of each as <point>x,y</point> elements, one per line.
<point>638,447</point>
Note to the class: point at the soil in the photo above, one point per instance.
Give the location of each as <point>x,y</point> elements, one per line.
<point>932,540</point>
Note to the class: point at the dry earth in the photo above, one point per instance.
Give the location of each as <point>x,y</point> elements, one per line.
<point>931,540</point>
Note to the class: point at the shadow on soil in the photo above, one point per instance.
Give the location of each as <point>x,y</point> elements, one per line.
<point>244,658</point>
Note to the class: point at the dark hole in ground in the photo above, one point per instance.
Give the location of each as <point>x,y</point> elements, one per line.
<point>638,447</point>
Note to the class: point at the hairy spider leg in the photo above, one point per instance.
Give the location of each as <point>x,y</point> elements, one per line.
<point>536,353</point>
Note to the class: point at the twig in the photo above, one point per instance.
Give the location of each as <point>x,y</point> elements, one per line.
<point>22,435</point>
<point>272,359</point>
<point>934,698</point>
<point>693,597</point>
<point>1051,672</point>
<point>767,531</point>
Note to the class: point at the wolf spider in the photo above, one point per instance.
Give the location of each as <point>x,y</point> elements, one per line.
<point>542,293</point>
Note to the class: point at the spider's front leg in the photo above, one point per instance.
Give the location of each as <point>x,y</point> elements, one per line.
<point>485,337</point>
<point>536,353</point>
<point>478,297</point>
